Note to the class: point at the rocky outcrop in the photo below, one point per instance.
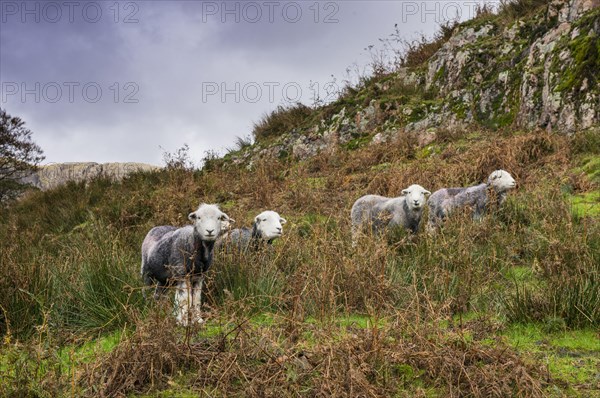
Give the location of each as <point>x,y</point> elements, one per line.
<point>537,72</point>
<point>541,70</point>
<point>54,175</point>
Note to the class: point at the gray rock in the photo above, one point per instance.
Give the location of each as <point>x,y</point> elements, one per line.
<point>54,175</point>
<point>526,80</point>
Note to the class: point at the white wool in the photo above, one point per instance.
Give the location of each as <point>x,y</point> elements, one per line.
<point>378,212</point>
<point>501,180</point>
<point>208,221</point>
<point>415,196</point>
<point>181,257</point>
<point>269,224</point>
<point>446,200</point>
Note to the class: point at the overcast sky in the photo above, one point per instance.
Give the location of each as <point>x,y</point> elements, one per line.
<point>109,81</point>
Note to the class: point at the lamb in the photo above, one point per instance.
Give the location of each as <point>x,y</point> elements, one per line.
<point>444,201</point>
<point>379,213</point>
<point>181,257</point>
<point>267,227</point>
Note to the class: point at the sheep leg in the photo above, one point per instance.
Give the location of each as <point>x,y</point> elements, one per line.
<point>196,300</point>
<point>182,300</point>
<point>479,211</point>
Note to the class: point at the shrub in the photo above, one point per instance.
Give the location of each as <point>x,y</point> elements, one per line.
<point>282,120</point>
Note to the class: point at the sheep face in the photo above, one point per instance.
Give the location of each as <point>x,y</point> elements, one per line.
<point>502,181</point>
<point>269,224</point>
<point>415,196</point>
<point>208,221</point>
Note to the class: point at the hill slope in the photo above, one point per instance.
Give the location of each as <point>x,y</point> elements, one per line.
<point>532,65</point>
<point>505,307</point>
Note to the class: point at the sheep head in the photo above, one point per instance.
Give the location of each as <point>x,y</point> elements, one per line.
<point>415,196</point>
<point>208,221</point>
<point>501,180</point>
<point>269,224</point>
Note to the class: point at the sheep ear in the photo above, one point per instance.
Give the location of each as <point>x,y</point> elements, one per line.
<point>426,192</point>
<point>405,192</point>
<point>257,219</point>
<point>282,221</point>
<point>192,216</point>
<point>231,220</point>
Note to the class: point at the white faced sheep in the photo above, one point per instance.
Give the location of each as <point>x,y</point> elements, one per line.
<point>267,227</point>
<point>379,213</point>
<point>444,201</point>
<point>181,257</point>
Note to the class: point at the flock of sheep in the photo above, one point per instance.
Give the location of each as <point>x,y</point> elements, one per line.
<point>181,256</point>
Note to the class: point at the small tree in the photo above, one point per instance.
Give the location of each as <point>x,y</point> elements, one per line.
<point>19,155</point>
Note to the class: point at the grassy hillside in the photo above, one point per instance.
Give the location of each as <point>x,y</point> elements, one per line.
<point>400,309</point>
<point>509,306</point>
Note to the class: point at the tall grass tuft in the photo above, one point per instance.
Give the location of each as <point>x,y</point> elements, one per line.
<point>103,291</point>
<point>282,120</point>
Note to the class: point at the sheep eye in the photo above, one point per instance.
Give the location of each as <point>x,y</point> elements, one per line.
<point>264,219</point>
<point>223,218</point>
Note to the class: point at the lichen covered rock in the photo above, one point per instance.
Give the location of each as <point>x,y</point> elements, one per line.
<point>536,72</point>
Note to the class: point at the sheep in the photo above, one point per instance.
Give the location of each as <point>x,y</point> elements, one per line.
<point>267,227</point>
<point>444,201</point>
<point>378,212</point>
<point>181,257</point>
<point>226,226</point>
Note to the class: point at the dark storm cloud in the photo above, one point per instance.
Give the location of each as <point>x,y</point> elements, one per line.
<point>179,71</point>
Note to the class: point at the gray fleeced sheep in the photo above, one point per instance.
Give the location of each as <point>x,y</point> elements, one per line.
<point>267,227</point>
<point>378,212</point>
<point>181,257</point>
<point>444,201</point>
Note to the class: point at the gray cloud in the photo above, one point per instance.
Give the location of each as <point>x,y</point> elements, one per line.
<point>154,73</point>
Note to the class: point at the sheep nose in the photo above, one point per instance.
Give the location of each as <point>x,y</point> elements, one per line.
<point>209,231</point>
<point>279,229</point>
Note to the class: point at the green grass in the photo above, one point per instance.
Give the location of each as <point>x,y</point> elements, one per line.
<point>587,204</point>
<point>572,357</point>
<point>519,274</point>
<point>46,369</point>
<point>77,354</point>
<point>590,165</point>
